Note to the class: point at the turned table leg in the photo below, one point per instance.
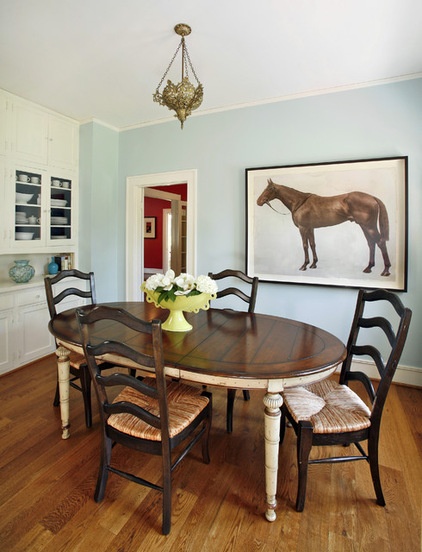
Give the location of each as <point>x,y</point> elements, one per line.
<point>63,370</point>
<point>272,415</point>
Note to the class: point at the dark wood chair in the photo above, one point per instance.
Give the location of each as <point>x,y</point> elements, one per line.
<point>55,293</point>
<point>151,415</point>
<point>248,294</point>
<point>330,413</point>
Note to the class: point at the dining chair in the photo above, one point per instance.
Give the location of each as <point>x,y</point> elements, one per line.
<point>152,415</point>
<point>246,293</point>
<point>328,413</point>
<point>73,284</point>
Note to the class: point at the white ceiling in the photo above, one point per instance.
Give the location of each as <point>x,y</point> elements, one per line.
<point>103,59</point>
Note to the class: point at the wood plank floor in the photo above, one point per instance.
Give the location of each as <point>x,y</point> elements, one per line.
<point>47,484</point>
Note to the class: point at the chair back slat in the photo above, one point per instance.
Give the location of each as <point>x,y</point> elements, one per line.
<point>231,275</point>
<point>372,352</point>
<point>361,343</point>
<point>382,323</point>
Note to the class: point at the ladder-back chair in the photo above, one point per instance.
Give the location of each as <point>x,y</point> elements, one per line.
<point>73,284</point>
<point>330,413</point>
<point>152,415</point>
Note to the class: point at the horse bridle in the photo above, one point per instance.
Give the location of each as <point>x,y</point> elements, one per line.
<point>275,210</point>
<point>291,212</point>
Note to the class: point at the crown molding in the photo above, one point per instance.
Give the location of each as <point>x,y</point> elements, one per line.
<point>278,99</point>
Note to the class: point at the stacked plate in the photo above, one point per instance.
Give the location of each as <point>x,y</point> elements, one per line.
<point>21,218</point>
<point>59,220</point>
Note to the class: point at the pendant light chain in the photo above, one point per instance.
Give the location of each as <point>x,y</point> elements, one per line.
<point>190,64</point>
<point>170,64</point>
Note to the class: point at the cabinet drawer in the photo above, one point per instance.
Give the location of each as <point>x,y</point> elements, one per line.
<point>6,302</point>
<point>31,297</point>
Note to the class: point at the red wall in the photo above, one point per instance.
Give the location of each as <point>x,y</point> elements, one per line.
<point>180,189</point>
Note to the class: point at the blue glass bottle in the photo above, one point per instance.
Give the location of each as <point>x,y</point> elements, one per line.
<point>53,267</point>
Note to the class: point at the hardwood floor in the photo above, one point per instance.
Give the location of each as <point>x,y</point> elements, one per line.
<point>47,484</point>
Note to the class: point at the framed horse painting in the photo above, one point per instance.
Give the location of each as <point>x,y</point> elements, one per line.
<point>338,224</point>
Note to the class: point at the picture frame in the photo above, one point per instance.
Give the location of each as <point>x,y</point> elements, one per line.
<point>335,208</point>
<point>150,227</point>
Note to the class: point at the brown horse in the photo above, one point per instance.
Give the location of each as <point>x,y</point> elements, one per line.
<point>311,211</point>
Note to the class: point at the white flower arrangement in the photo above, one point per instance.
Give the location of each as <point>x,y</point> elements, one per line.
<point>169,286</point>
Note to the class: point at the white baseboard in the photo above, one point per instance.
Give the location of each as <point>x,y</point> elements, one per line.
<point>405,375</point>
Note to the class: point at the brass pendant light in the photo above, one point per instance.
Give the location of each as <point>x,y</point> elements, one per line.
<point>183,97</point>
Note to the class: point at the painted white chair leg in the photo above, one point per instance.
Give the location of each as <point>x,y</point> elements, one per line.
<point>63,370</point>
<point>272,402</point>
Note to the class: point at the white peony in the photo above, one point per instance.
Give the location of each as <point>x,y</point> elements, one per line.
<point>160,280</point>
<point>153,281</point>
<point>186,282</point>
<point>205,284</point>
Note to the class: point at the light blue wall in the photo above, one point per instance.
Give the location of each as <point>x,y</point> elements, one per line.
<point>101,201</point>
<point>374,122</point>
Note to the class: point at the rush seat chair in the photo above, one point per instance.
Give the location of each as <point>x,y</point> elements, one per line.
<point>328,413</point>
<point>153,415</point>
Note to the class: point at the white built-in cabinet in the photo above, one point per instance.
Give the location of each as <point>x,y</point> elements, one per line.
<point>24,334</point>
<point>39,155</point>
<point>7,339</point>
<point>38,178</point>
<point>41,137</point>
<point>24,318</point>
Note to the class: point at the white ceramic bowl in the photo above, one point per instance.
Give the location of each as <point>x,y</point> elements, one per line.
<point>23,198</point>
<point>24,235</point>
<point>58,202</point>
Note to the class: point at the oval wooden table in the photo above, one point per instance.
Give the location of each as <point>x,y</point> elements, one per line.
<point>224,348</point>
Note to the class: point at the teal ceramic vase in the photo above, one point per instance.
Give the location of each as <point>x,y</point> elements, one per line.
<point>22,272</point>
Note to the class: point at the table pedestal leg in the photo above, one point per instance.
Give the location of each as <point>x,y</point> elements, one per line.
<point>272,402</point>
<point>63,370</point>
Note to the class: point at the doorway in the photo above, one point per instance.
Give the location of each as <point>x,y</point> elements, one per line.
<point>135,193</point>
<point>165,207</point>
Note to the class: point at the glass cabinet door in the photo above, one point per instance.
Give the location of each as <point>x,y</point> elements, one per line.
<point>28,214</point>
<point>60,208</point>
